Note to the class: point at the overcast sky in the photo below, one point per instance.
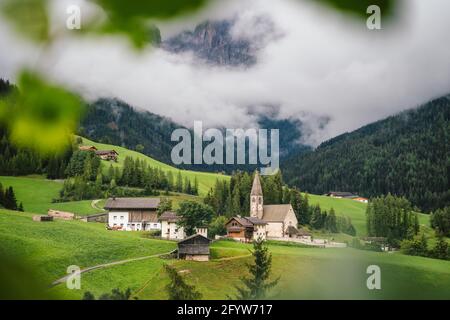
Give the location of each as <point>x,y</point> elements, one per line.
<point>318,64</point>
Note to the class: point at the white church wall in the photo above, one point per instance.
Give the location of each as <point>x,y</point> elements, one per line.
<point>274,229</point>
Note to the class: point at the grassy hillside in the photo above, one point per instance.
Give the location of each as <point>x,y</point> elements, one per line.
<point>37,194</point>
<point>50,247</point>
<point>354,210</point>
<point>206,180</point>
<point>306,273</point>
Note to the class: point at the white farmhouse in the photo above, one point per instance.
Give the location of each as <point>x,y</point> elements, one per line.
<point>133,214</point>
<point>171,230</point>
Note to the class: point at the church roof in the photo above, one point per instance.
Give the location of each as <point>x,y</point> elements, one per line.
<point>256,187</point>
<point>276,212</point>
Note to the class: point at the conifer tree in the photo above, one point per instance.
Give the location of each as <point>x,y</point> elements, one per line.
<point>257,284</point>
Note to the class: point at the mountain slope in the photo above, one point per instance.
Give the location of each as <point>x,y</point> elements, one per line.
<point>112,121</point>
<point>407,154</point>
<point>212,42</point>
<point>206,180</point>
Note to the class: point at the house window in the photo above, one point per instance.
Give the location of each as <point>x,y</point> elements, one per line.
<point>121,217</point>
<point>253,200</point>
<point>259,200</point>
<point>115,218</point>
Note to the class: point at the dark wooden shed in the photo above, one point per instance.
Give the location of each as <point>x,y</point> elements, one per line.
<point>195,247</point>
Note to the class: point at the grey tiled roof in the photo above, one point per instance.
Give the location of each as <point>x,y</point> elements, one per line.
<point>132,203</point>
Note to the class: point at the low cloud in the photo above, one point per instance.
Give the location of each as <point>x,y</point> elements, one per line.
<point>317,65</point>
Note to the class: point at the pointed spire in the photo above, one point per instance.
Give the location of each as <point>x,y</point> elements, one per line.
<point>256,187</point>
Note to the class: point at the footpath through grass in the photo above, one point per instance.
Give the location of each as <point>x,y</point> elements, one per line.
<point>50,247</point>
<point>305,273</point>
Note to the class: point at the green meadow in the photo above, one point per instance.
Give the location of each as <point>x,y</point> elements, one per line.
<point>48,248</point>
<point>37,194</point>
<point>206,180</point>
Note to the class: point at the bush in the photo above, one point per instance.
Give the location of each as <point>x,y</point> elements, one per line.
<point>415,247</point>
<point>151,234</point>
<point>217,227</point>
<point>440,250</point>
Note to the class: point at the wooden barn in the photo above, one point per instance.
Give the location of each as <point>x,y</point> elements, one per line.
<point>107,154</point>
<point>195,247</point>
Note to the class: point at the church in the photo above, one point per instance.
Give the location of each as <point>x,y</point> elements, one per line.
<point>265,221</point>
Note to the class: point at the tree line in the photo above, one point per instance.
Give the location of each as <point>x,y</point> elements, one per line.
<point>88,180</point>
<point>391,217</point>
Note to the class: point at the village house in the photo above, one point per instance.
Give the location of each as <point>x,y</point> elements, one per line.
<point>246,228</point>
<point>133,214</point>
<point>195,247</point>
<point>275,221</point>
<point>340,195</point>
<point>361,199</point>
<point>172,231</point>
<point>107,154</point>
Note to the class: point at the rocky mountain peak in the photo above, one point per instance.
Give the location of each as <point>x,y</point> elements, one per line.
<point>213,43</point>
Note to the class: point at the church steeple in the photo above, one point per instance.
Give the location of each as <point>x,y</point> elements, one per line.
<point>256,198</point>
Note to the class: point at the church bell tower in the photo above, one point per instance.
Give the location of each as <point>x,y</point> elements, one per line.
<point>256,198</point>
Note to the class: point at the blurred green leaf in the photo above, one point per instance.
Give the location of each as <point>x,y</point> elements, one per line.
<point>131,18</point>
<point>29,17</point>
<point>42,116</point>
<point>162,9</point>
<point>359,7</point>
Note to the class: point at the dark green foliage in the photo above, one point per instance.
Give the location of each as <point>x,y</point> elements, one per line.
<point>391,217</point>
<point>406,155</point>
<point>20,161</point>
<point>137,173</point>
<point>164,205</point>
<point>177,288</point>
<point>116,294</point>
<point>441,249</point>
<point>88,296</point>
<point>8,199</point>
<point>194,214</point>
<point>115,122</point>
<point>331,222</point>
<point>6,88</point>
<point>217,227</point>
<point>418,246</point>
<point>440,221</point>
<point>257,284</point>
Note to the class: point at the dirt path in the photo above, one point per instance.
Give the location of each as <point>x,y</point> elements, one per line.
<point>105,265</point>
<point>94,205</point>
